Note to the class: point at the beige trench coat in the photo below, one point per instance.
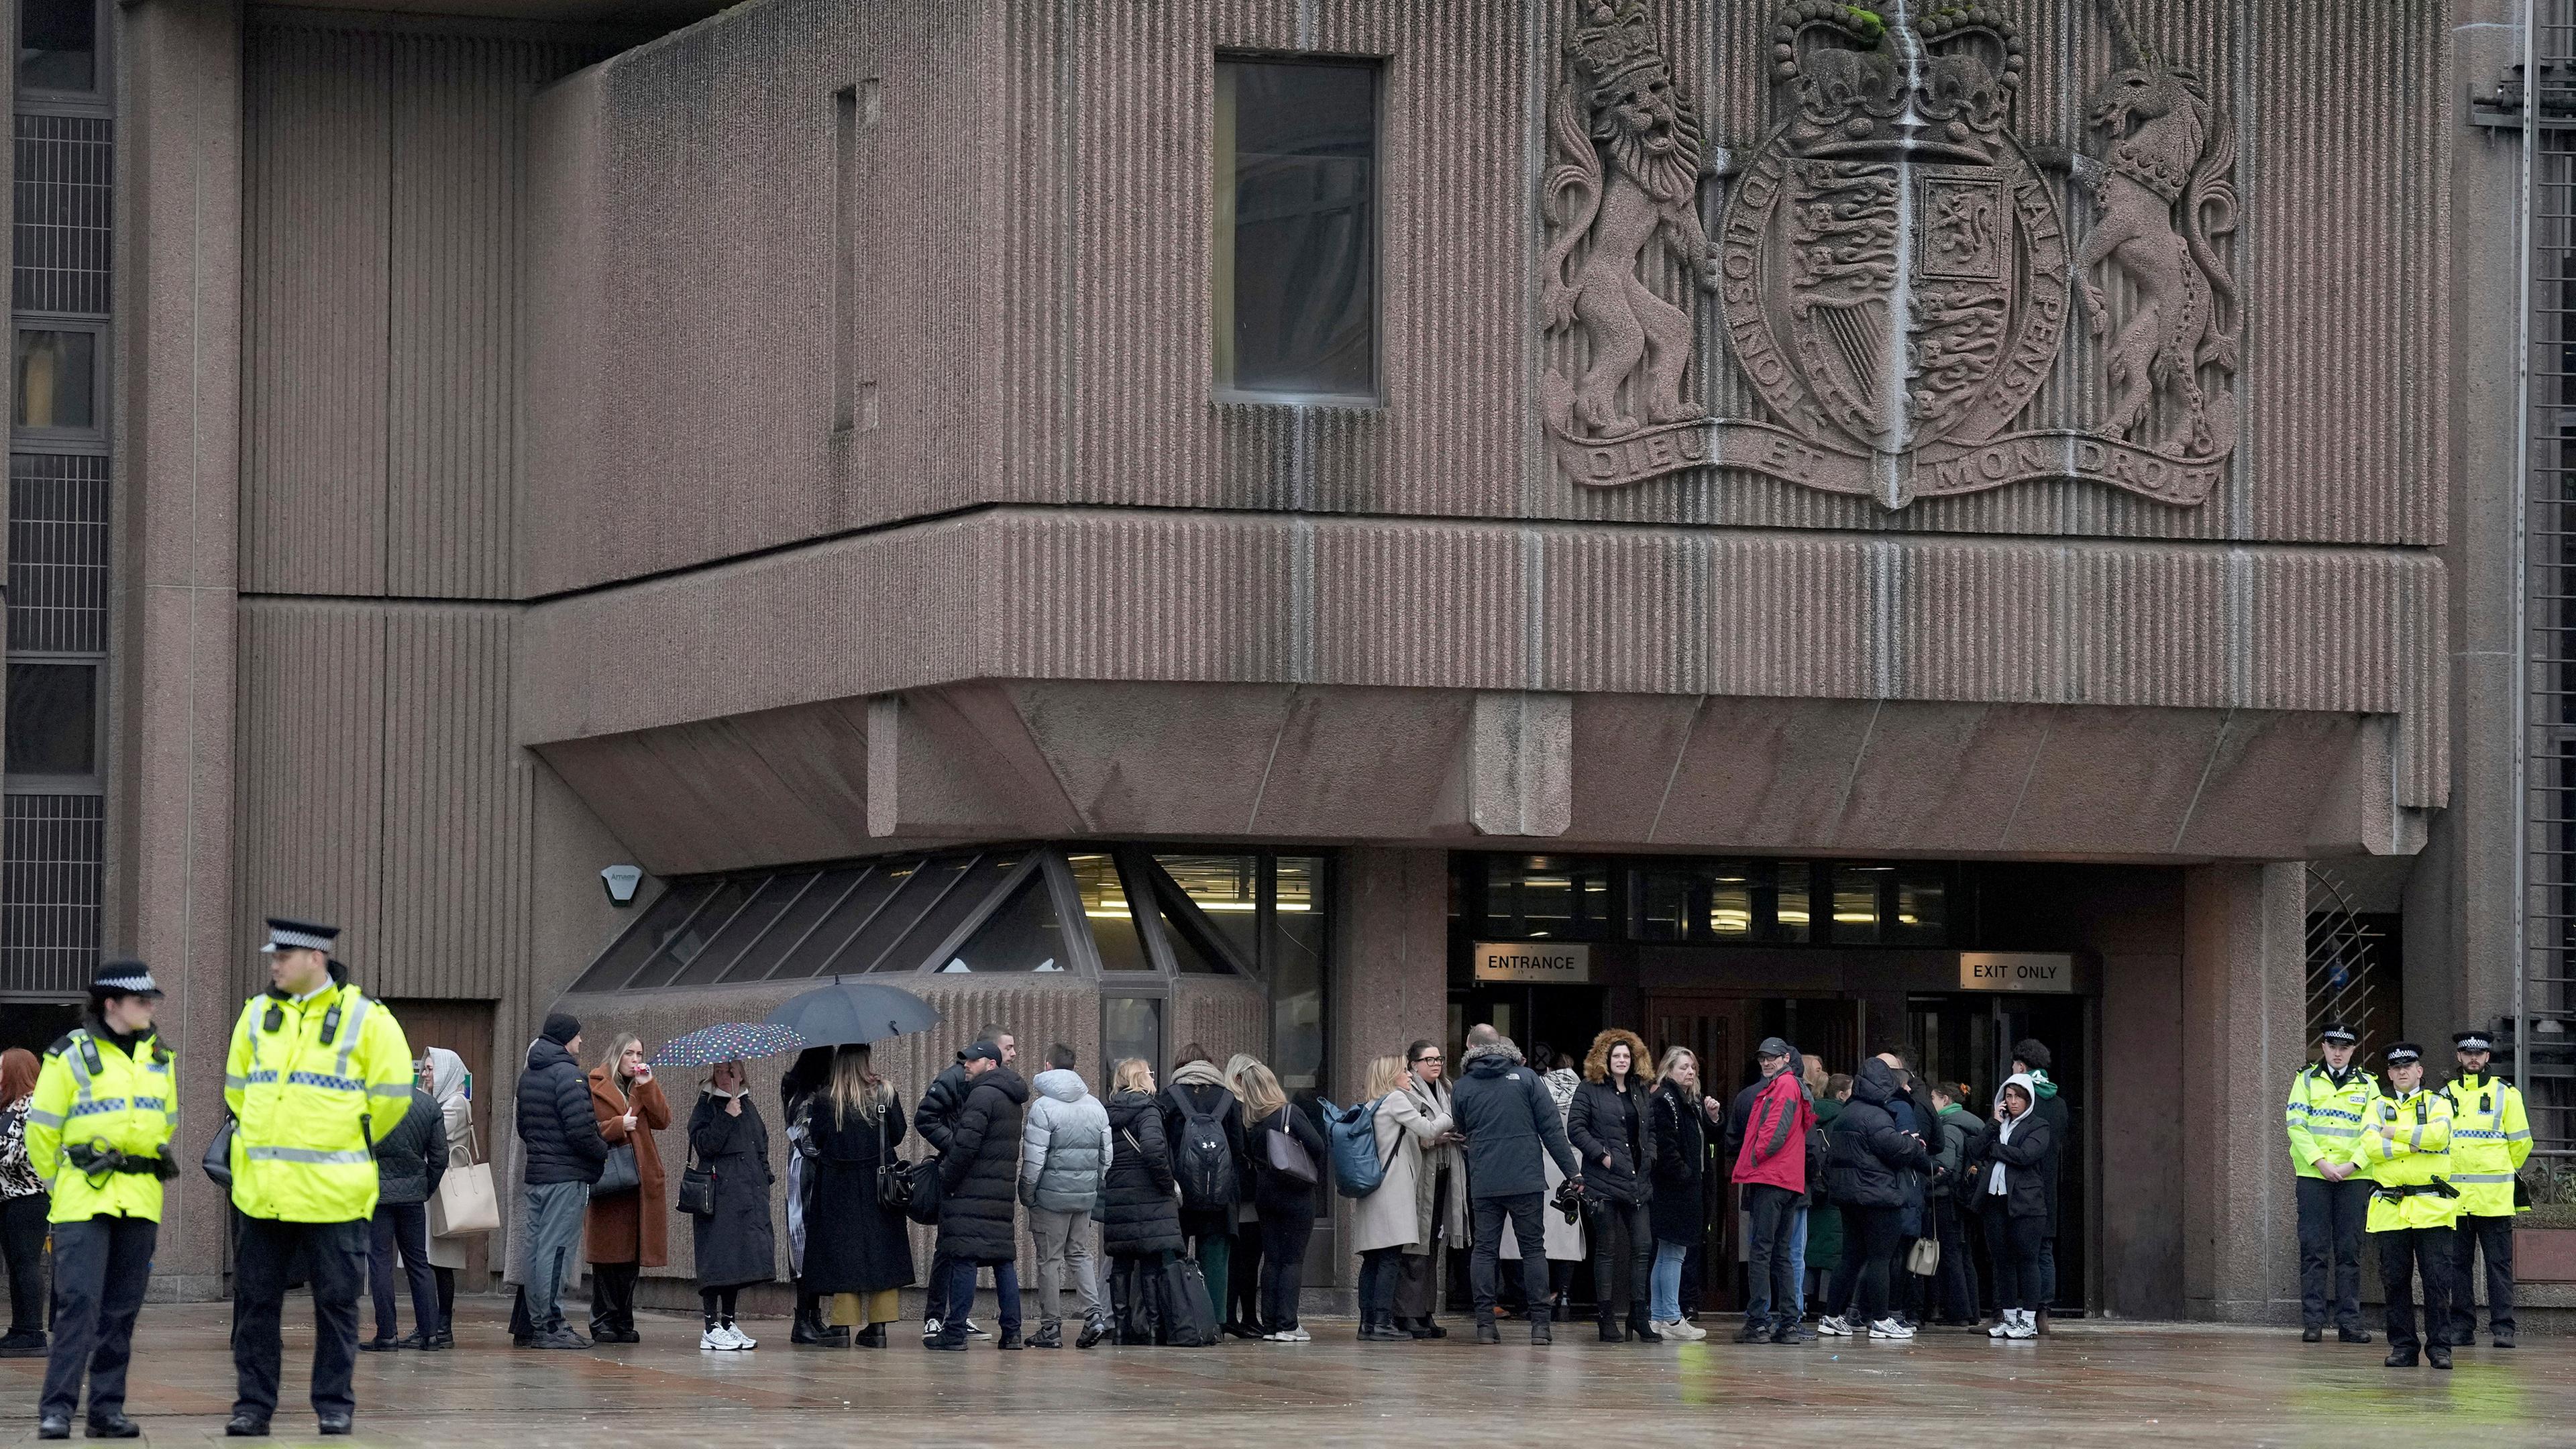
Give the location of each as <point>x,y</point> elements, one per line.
<point>1398,1214</point>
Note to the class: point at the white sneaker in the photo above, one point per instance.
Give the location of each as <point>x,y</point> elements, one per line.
<point>974,1332</point>
<point>1299,1335</point>
<point>1278,1338</point>
<point>2024,1324</point>
<point>1833,1326</point>
<point>1889,1328</point>
<point>1677,1329</point>
<point>716,1340</point>
<point>740,1338</point>
<point>2003,1326</point>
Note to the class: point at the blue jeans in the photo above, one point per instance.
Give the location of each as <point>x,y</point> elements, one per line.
<point>1665,1281</point>
<point>1798,1260</point>
<point>961,1294</point>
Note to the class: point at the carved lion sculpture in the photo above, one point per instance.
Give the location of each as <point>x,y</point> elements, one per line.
<point>2163,193</point>
<point>1629,157</point>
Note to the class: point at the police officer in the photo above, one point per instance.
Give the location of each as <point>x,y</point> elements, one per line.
<point>2405,1146</point>
<point>317,1073</point>
<point>98,1133</point>
<point>2327,1099</point>
<point>2490,1140</point>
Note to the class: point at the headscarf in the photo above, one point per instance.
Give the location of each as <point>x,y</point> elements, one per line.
<point>446,1076</point>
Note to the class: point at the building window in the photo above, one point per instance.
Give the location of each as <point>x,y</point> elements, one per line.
<point>1295,284</point>
<point>53,720</point>
<point>56,380</point>
<point>63,197</point>
<point>1131,1026</point>
<point>1550,898</point>
<point>58,45</point>
<point>51,848</point>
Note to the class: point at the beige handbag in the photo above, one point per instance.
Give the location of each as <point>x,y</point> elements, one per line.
<point>464,1203</point>
<point>1924,1259</point>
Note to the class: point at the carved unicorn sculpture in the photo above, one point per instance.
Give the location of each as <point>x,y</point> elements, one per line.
<point>2164,193</point>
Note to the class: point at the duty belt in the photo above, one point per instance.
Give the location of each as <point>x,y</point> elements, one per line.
<point>2437,1186</point>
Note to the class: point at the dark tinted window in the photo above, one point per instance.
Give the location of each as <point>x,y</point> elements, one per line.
<point>748,925</point>
<point>1024,935</point>
<point>1296,242</point>
<point>976,878</point>
<point>58,45</point>
<point>53,719</point>
<point>645,937</point>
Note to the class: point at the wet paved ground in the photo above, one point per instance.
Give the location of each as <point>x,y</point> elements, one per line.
<point>2098,1385</point>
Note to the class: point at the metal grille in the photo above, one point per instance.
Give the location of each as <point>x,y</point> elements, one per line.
<point>2544,1028</point>
<point>2351,976</point>
<point>51,853</point>
<point>64,185</point>
<point>57,553</point>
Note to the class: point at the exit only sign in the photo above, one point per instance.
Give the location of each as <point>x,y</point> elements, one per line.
<point>2015,971</point>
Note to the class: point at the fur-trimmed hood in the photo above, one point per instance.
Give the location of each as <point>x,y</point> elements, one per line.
<point>1596,1062</point>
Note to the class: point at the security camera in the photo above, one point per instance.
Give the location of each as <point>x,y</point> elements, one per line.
<point>621,881</point>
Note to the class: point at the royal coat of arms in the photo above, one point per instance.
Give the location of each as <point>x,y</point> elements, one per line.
<point>1894,271</point>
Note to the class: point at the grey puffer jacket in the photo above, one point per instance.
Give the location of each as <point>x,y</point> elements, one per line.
<point>1064,1145</point>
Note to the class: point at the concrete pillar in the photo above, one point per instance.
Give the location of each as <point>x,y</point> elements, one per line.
<point>2244,994</point>
<point>1390,985</point>
<point>178,286</point>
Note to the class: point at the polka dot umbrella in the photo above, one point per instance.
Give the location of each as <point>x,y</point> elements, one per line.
<point>727,1041</point>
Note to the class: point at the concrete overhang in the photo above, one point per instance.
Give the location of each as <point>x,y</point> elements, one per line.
<point>1035,672</point>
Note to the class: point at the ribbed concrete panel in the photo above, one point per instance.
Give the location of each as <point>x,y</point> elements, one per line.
<point>1049,297</point>
<point>309,816</point>
<point>1223,1014</point>
<point>456,808</point>
<point>1203,598</point>
<point>378,789</point>
<point>317,131</point>
<point>454,204</point>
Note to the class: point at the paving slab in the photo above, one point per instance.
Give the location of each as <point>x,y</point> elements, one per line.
<point>2128,1384</point>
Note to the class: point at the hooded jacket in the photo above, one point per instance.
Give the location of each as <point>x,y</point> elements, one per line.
<point>1774,1146</point>
<point>557,1130</point>
<point>1509,1119</point>
<point>981,1170</point>
<point>1869,1151</point>
<point>1613,1128</point>
<point>1139,1215</point>
<point>1064,1146</point>
<point>2051,1108</point>
<point>2022,1148</point>
<point>1963,1142</point>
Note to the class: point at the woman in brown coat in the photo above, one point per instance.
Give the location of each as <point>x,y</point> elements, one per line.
<point>628,1228</point>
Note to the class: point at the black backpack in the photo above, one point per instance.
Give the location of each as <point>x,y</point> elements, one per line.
<point>1203,1162</point>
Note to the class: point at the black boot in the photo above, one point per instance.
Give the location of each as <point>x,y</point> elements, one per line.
<point>1611,1332</point>
<point>2439,1355</point>
<point>1640,1327</point>
<point>1486,1332</point>
<point>872,1336</point>
<point>807,1328</point>
<point>1541,1331</point>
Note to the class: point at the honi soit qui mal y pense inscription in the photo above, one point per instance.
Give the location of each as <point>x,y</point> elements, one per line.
<point>1893,272</point>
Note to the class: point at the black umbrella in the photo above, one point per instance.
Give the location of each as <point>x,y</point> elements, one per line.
<point>854,1011</point>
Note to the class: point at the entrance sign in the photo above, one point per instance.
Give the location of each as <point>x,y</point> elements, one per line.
<point>2015,971</point>
<point>1567,963</point>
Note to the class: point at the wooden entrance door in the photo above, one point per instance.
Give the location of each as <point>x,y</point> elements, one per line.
<point>465,1028</point>
<point>1718,1029</point>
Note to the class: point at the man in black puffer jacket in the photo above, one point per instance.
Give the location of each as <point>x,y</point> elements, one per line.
<point>979,1175</point>
<point>559,1136</point>
<point>409,1162</point>
<point>933,1119</point>
<point>1865,1180</point>
<point>1509,1120</point>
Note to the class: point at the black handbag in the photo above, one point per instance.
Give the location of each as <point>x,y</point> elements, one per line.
<point>894,1175</point>
<point>219,1154</point>
<point>619,1173</point>
<point>925,1191</point>
<point>697,1189</point>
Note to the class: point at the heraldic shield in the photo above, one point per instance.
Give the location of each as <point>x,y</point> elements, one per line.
<point>1894,266</point>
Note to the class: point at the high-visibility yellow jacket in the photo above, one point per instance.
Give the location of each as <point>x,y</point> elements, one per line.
<point>91,1092</point>
<point>313,1084</point>
<point>2414,1151</point>
<point>2324,1117</point>
<point>2490,1141</point>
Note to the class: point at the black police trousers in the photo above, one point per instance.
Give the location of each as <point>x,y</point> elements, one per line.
<point>2331,1215</point>
<point>264,1257</point>
<point>2402,1252</point>
<point>2471,1237</point>
<point>100,1269</point>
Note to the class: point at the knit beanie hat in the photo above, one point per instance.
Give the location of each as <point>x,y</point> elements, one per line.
<point>561,1028</point>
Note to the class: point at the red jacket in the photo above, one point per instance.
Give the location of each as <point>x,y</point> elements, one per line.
<point>1775,1137</point>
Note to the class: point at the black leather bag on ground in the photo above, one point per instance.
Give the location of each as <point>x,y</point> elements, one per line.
<point>1181,1300</point>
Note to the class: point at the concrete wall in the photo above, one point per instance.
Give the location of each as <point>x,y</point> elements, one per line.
<point>1033,212</point>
